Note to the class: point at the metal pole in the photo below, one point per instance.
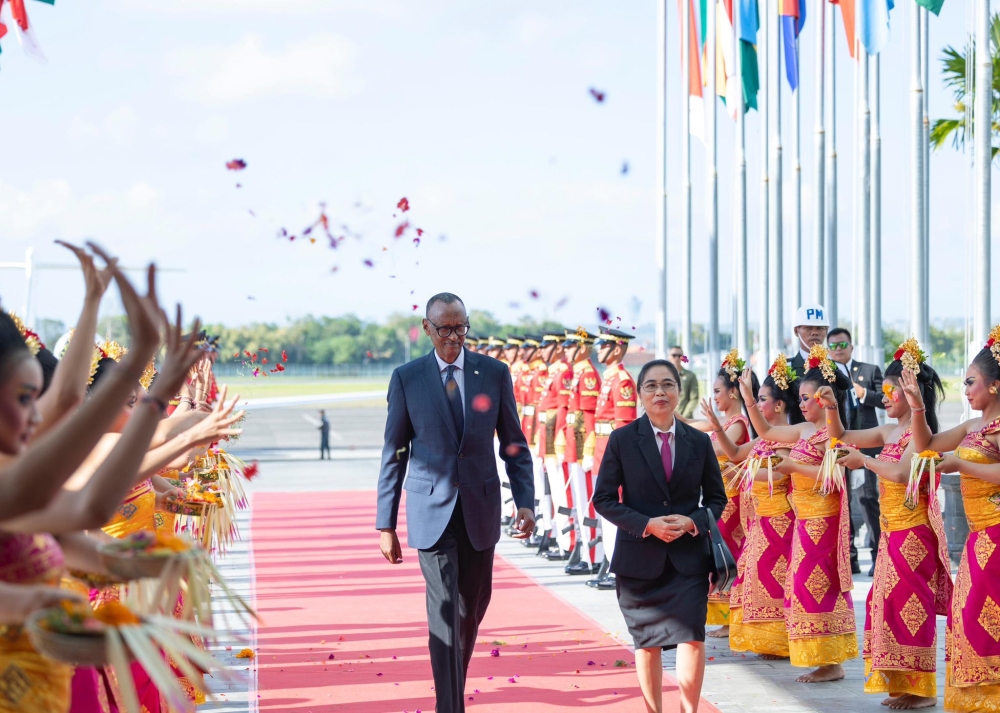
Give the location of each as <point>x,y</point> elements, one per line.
<point>875,276</point>
<point>765,257</point>
<point>926,219</point>
<point>796,195</point>
<point>982,120</point>
<point>661,153</point>
<point>740,200</point>
<point>917,293</point>
<point>864,206</point>
<point>712,222</point>
<point>777,210</point>
<point>819,271</point>
<point>686,173</point>
<point>831,180</point>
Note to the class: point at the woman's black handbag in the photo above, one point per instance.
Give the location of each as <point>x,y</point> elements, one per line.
<point>723,563</point>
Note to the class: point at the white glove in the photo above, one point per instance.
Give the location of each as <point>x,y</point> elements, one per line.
<point>857,479</point>
<point>587,463</point>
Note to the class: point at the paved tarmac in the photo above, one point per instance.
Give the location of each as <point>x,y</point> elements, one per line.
<point>285,440</point>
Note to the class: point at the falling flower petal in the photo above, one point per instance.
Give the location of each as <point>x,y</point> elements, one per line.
<point>495,652</point>
<point>598,95</point>
<point>416,241</point>
<point>401,228</point>
<point>331,657</point>
<point>625,168</point>
<point>534,294</point>
<point>481,403</point>
<point>403,205</point>
<point>512,450</point>
<point>369,263</point>
<point>237,164</point>
<point>511,680</point>
<point>604,315</point>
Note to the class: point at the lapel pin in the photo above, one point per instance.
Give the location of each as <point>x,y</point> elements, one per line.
<point>475,372</point>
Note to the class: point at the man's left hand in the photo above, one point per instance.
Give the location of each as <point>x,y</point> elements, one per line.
<point>524,523</point>
<point>678,525</point>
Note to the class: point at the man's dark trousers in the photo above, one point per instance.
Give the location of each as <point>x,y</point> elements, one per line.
<point>459,584</point>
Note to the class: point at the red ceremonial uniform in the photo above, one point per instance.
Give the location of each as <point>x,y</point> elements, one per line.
<point>616,407</point>
<point>585,387</point>
<point>552,407</point>
<point>531,380</point>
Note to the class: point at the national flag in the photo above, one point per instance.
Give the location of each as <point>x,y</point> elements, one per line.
<point>873,24</point>
<point>726,82</point>
<point>847,15</point>
<point>749,25</point>
<point>932,5</point>
<point>793,19</point>
<point>696,116</point>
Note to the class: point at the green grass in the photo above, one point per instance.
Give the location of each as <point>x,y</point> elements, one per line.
<point>249,387</point>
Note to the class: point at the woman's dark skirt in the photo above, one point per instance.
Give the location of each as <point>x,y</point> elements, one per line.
<point>665,611</point>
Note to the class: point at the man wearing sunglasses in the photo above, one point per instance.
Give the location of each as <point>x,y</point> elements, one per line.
<point>861,414</point>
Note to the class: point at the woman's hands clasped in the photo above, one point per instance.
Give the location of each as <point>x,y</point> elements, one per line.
<point>669,527</point>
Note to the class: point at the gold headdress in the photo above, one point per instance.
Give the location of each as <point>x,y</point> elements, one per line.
<point>113,350</point>
<point>148,373</point>
<point>733,364</point>
<point>911,355</point>
<point>994,342</point>
<point>33,341</point>
<point>782,373</point>
<point>819,358</point>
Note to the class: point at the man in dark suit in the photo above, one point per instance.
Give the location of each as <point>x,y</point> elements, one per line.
<point>861,414</point>
<point>810,326</point>
<point>443,412</point>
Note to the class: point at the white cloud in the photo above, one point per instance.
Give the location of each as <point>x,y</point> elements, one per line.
<point>211,130</point>
<point>119,127</point>
<point>322,65</point>
<point>141,194</point>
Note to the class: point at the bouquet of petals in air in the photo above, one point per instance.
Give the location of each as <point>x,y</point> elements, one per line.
<point>920,463</point>
<point>113,634</point>
<point>831,476</point>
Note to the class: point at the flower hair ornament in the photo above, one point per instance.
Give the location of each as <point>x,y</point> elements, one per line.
<point>33,341</point>
<point>993,344</point>
<point>782,373</point>
<point>733,365</point>
<point>910,354</point>
<point>819,359</point>
<point>113,350</point>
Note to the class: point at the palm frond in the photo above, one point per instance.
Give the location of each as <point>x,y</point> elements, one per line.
<point>944,128</point>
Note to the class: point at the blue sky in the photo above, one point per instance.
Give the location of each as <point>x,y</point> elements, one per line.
<point>477,112</point>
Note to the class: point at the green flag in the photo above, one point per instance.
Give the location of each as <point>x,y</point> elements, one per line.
<point>932,5</point>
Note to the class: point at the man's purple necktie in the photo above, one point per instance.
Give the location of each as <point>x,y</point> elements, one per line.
<point>666,455</point>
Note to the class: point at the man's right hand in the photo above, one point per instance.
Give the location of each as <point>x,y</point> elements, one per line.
<point>664,529</point>
<point>389,544</point>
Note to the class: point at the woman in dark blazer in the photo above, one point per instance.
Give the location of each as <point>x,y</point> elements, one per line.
<point>662,558</point>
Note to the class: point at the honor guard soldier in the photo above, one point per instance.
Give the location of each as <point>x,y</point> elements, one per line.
<point>552,409</point>
<point>494,347</point>
<point>510,353</point>
<point>531,380</point>
<point>616,407</point>
<point>511,356</point>
<point>584,388</point>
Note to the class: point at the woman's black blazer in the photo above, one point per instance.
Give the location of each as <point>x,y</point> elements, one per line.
<point>632,463</point>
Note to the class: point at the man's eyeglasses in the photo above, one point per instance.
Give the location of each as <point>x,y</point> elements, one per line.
<point>839,345</point>
<point>678,355</point>
<point>444,332</point>
<point>651,387</point>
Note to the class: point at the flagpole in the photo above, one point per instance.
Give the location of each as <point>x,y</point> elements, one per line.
<point>740,197</point>
<point>917,293</point>
<point>864,205</point>
<point>765,257</point>
<point>661,153</point>
<point>819,274</point>
<point>982,121</point>
<point>712,223</point>
<point>686,164</point>
<point>925,65</point>
<point>875,279</point>
<point>797,190</point>
<point>831,181</point>
<point>777,278</point>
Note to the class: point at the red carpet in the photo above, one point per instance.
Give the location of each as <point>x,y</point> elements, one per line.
<point>324,590</point>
